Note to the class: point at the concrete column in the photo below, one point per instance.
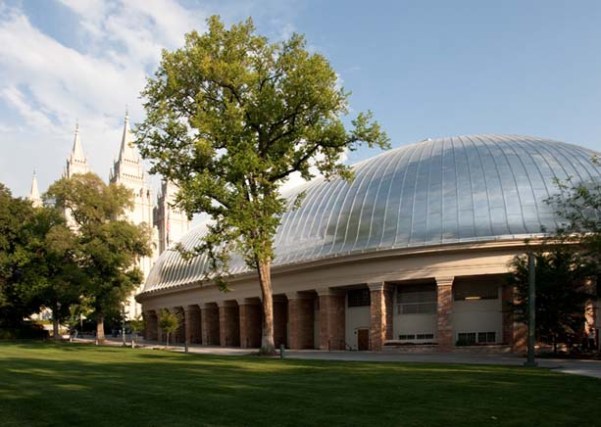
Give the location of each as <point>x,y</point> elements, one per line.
<point>229,324</point>
<point>210,320</point>
<point>331,320</point>
<point>377,310</point>
<point>251,327</point>
<point>444,312</point>
<point>300,320</point>
<point>280,320</point>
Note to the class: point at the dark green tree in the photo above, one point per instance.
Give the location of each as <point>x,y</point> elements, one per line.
<point>51,275</point>
<point>230,117</point>
<point>109,246</point>
<point>578,206</point>
<point>563,287</point>
<point>168,322</point>
<point>15,214</point>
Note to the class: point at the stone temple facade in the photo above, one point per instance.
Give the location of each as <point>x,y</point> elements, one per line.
<point>166,224</point>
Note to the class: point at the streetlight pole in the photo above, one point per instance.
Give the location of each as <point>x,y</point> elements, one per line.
<point>531,310</point>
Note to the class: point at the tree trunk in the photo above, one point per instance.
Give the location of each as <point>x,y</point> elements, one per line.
<point>100,327</point>
<point>267,343</point>
<point>167,341</point>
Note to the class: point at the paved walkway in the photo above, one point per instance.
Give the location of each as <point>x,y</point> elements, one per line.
<point>590,368</point>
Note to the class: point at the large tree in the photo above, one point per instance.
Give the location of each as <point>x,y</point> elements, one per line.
<point>15,214</point>
<point>51,275</point>
<point>230,117</point>
<point>563,287</point>
<point>109,246</point>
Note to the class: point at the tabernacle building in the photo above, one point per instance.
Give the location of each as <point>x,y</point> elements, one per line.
<point>414,250</point>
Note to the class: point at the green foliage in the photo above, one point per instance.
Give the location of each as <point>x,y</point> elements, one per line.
<point>562,289</point>
<point>37,261</point>
<point>137,324</point>
<point>578,205</point>
<point>108,246</point>
<point>14,215</point>
<point>168,322</point>
<point>230,117</point>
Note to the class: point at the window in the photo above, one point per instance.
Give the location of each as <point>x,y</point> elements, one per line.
<point>474,291</point>
<point>411,337</point>
<point>473,338</point>
<point>358,298</point>
<point>416,299</point>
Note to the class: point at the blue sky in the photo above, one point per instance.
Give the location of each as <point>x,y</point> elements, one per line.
<point>425,68</point>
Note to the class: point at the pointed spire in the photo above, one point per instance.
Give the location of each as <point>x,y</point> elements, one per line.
<point>77,162</point>
<point>127,151</point>
<point>34,193</point>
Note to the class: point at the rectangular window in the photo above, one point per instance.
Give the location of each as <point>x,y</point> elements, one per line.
<point>358,298</point>
<point>412,337</point>
<point>420,299</point>
<point>473,338</point>
<point>475,291</point>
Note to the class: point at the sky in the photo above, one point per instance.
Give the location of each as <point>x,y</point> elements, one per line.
<point>425,68</point>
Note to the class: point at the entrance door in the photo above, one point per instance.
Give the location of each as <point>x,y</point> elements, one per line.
<point>363,339</point>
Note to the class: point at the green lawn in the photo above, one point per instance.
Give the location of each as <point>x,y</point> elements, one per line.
<point>70,384</point>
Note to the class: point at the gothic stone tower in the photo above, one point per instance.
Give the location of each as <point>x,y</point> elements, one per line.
<point>128,171</point>
<point>171,222</point>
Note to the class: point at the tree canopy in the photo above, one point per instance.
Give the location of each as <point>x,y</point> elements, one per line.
<point>108,246</point>
<point>230,117</point>
<point>563,287</point>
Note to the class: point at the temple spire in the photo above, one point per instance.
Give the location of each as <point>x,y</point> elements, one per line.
<point>77,162</point>
<point>34,193</point>
<point>127,152</point>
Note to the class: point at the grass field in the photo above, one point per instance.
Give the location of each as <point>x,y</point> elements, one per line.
<point>70,384</point>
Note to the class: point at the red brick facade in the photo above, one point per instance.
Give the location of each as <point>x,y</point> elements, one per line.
<point>331,320</point>
<point>301,319</point>
<point>250,324</point>
<point>444,313</point>
<point>378,316</point>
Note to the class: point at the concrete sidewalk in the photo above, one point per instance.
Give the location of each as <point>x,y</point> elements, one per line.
<point>590,368</point>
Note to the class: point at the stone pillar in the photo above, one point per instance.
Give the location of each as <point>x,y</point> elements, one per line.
<point>229,324</point>
<point>444,312</point>
<point>300,320</point>
<point>331,320</point>
<point>210,320</point>
<point>251,327</point>
<point>280,320</point>
<point>389,302</point>
<point>377,311</point>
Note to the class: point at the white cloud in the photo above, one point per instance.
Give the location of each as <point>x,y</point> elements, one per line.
<point>46,85</point>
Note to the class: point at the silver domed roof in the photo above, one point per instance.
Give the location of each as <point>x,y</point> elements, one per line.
<point>448,190</point>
